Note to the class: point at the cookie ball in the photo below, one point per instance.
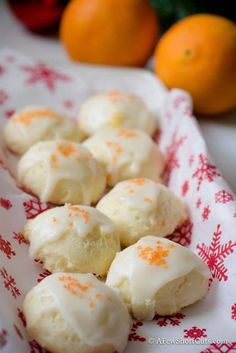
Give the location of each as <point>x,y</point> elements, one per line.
<point>61,172</point>
<point>76,313</point>
<point>140,207</point>
<point>115,110</point>
<point>73,238</point>
<point>126,154</point>
<point>158,276</point>
<point>34,124</point>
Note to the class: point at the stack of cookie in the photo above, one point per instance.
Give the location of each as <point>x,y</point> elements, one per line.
<point>104,237</point>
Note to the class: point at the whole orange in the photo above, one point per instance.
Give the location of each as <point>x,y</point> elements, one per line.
<point>198,54</point>
<point>111,32</point>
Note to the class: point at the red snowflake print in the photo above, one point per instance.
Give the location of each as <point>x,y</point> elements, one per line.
<point>172,158</point>
<point>205,213</point>
<point>69,104</point>
<point>223,196</point>
<point>43,275</point>
<point>18,332</point>
<point>36,348</point>
<point>5,203</point>
<point>168,115</point>
<point>174,320</point>
<point>178,100</point>
<point>20,238</point>
<point>21,316</point>
<point>1,70</point>
<point>3,96</point>
<point>185,188</point>
<point>191,160</point>
<point>205,171</point>
<point>215,254</point>
<point>220,348</point>
<point>3,338</point>
<point>233,311</point>
<point>195,332</point>
<point>9,113</point>
<point>42,73</point>
<point>198,203</point>
<point>188,110</point>
<point>10,58</point>
<point>5,247</point>
<point>10,283</point>
<point>34,207</point>
<point>133,336</point>
<point>183,234</point>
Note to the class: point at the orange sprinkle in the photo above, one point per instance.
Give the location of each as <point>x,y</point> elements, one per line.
<point>70,225</point>
<point>114,96</point>
<point>130,191</point>
<point>127,133</point>
<point>74,208</point>
<point>109,298</point>
<point>74,286</point>
<point>148,200</point>
<point>116,147</point>
<point>86,216</point>
<point>80,212</point>
<point>54,160</point>
<point>119,149</point>
<point>67,150</point>
<point>27,117</point>
<point>109,143</point>
<point>91,304</point>
<point>138,181</point>
<point>114,159</point>
<point>98,296</point>
<point>156,256</point>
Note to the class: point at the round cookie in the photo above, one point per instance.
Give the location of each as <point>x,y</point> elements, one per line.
<point>61,172</point>
<point>140,207</point>
<point>158,276</point>
<point>126,154</point>
<point>115,110</point>
<point>34,124</point>
<point>73,239</point>
<point>76,313</point>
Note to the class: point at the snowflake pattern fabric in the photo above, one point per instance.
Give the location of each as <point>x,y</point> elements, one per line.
<point>195,333</point>
<point>174,320</point>
<point>216,253</point>
<point>6,248</point>
<point>182,234</point>
<point>41,73</point>
<point>134,336</point>
<point>209,231</point>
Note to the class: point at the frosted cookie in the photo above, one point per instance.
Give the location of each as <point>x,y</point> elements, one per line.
<point>115,110</point>
<point>76,313</point>
<point>73,239</point>
<point>126,154</point>
<point>61,172</point>
<point>158,276</point>
<point>139,207</point>
<point>34,124</point>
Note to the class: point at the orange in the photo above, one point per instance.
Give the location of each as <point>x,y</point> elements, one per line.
<point>111,32</point>
<point>198,54</point>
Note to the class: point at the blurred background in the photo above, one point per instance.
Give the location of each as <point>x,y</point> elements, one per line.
<point>198,55</point>
<point>44,15</point>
